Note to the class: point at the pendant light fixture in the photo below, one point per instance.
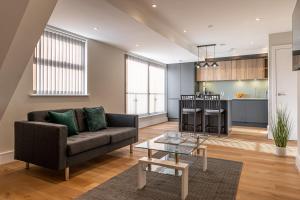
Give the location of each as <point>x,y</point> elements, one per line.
<point>214,64</point>
<point>206,65</point>
<point>206,61</point>
<point>198,63</point>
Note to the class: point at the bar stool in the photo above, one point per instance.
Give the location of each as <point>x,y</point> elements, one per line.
<point>212,107</point>
<point>189,106</point>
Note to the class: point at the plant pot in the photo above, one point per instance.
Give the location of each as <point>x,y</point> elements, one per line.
<point>280,151</point>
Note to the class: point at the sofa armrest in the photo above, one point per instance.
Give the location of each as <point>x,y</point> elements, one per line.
<point>41,143</point>
<point>122,120</point>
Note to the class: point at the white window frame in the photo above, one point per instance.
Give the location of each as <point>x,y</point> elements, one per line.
<point>154,64</point>
<point>85,66</point>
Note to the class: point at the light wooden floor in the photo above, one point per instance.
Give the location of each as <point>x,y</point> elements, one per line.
<point>264,175</point>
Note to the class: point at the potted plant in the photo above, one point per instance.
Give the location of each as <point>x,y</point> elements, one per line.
<point>281,128</point>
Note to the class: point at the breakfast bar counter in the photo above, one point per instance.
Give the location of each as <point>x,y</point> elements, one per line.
<point>211,121</point>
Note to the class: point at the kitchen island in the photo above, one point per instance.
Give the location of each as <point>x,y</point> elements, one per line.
<point>250,112</point>
<point>211,121</point>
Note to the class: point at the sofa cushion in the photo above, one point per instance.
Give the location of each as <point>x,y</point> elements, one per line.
<point>42,116</point>
<point>118,134</point>
<point>86,141</point>
<point>95,118</point>
<point>66,118</point>
<point>81,120</point>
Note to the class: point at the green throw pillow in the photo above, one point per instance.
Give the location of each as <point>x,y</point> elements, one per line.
<point>95,118</point>
<point>65,118</point>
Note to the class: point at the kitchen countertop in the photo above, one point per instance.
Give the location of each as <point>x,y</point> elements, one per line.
<point>238,99</point>
<point>223,99</point>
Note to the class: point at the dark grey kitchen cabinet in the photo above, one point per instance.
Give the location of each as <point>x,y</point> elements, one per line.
<point>252,112</point>
<point>238,111</point>
<point>173,74</point>
<point>173,108</point>
<point>181,80</point>
<point>257,111</point>
<point>187,79</point>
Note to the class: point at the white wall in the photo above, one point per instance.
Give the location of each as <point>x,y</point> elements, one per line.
<point>283,39</point>
<point>106,85</point>
<point>276,39</point>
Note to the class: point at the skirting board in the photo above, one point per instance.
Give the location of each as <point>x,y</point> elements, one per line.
<point>298,162</point>
<point>152,120</point>
<point>6,157</point>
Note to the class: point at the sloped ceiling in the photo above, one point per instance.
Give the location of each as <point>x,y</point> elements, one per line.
<point>158,33</point>
<point>24,29</point>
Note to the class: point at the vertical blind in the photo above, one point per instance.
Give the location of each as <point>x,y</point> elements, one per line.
<point>145,87</point>
<point>59,64</point>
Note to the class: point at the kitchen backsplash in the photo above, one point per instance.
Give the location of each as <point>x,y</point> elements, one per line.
<point>251,88</point>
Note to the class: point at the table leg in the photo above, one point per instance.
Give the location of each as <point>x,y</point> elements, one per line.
<point>141,176</point>
<point>176,158</point>
<point>176,161</point>
<point>184,183</point>
<point>149,157</point>
<point>204,159</point>
<point>198,143</point>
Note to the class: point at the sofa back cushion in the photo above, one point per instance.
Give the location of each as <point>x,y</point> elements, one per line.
<point>66,118</point>
<point>95,118</point>
<point>81,120</point>
<point>42,116</point>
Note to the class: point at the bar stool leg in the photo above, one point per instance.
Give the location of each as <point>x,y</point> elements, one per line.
<point>195,125</point>
<point>219,124</point>
<point>203,124</point>
<point>181,120</point>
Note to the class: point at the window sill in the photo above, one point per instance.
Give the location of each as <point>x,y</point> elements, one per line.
<point>59,95</point>
<point>152,115</point>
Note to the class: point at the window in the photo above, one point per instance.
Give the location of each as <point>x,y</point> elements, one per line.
<point>145,87</point>
<point>59,64</point>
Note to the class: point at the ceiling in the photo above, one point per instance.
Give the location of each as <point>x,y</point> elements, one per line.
<point>158,33</point>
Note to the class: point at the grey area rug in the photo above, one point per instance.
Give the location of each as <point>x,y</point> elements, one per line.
<point>220,181</point>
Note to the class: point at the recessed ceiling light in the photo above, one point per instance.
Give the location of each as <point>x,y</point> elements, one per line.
<point>137,45</point>
<point>184,31</point>
<point>154,5</point>
<point>96,29</point>
<point>258,19</point>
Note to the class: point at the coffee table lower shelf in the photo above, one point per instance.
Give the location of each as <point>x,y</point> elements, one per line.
<point>183,167</point>
<point>165,165</point>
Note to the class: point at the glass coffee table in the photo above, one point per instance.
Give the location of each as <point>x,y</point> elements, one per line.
<point>173,144</point>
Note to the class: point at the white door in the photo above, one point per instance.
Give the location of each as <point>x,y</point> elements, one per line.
<point>284,84</point>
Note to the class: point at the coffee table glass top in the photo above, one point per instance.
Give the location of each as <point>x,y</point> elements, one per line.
<point>175,142</point>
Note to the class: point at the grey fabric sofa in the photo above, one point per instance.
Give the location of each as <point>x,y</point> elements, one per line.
<point>46,144</point>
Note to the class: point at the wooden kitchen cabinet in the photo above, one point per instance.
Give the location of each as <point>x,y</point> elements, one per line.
<point>262,69</point>
<point>218,72</point>
<point>256,69</point>
<point>228,70</point>
<point>205,74</point>
<point>251,69</point>
<point>223,71</point>
<point>296,59</point>
<point>243,69</point>
<point>233,70</point>
<point>210,73</point>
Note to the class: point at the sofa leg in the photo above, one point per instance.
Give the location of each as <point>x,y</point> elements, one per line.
<point>131,148</point>
<point>27,165</point>
<point>67,173</point>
